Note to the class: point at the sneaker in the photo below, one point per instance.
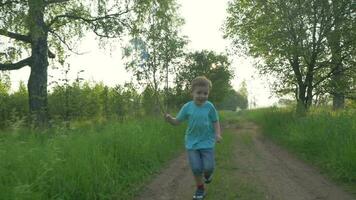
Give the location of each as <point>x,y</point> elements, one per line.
<point>199,194</point>
<point>208,179</point>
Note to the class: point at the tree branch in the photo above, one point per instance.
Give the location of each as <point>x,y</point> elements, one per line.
<point>327,63</point>
<point>296,69</point>
<point>55,1</point>
<point>51,54</point>
<point>87,20</point>
<point>14,66</point>
<point>23,38</point>
<point>4,3</point>
<point>64,42</point>
<point>16,36</point>
<point>330,74</point>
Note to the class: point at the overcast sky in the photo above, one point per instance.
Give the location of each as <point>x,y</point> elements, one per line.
<point>204,19</point>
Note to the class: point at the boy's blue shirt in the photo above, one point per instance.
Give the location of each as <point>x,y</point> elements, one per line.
<point>200,133</point>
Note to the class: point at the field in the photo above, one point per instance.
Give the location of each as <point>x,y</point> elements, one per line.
<point>100,161</point>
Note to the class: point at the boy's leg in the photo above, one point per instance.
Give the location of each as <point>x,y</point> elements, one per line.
<point>196,164</point>
<point>199,180</point>
<point>208,159</point>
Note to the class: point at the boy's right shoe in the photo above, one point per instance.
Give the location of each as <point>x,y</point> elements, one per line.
<point>208,179</point>
<point>199,194</point>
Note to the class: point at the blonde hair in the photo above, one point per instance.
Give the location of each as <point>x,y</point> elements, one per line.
<point>201,81</point>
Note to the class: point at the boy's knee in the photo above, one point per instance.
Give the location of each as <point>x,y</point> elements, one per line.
<point>209,169</point>
<point>197,171</point>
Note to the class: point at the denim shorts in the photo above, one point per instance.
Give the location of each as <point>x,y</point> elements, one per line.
<point>201,161</point>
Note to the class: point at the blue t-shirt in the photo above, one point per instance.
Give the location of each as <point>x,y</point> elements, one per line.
<point>200,133</point>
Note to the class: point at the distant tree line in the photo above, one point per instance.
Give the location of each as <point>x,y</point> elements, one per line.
<point>77,99</point>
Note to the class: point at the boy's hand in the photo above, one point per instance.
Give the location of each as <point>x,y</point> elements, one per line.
<point>168,117</point>
<point>218,138</point>
<point>171,119</point>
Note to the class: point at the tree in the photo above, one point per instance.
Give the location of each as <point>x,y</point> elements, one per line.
<point>156,45</point>
<point>243,89</point>
<point>234,100</point>
<point>341,42</point>
<point>18,101</point>
<point>45,29</point>
<point>215,67</point>
<point>5,85</point>
<point>290,37</point>
<point>148,100</point>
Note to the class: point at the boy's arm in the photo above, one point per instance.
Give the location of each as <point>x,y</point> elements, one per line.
<point>172,120</point>
<point>217,131</point>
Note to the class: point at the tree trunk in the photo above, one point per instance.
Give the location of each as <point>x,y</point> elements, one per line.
<point>338,79</point>
<point>301,89</point>
<point>37,83</point>
<point>309,83</point>
<point>338,82</point>
<point>338,101</point>
<point>301,101</point>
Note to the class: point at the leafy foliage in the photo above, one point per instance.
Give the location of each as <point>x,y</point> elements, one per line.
<point>156,46</point>
<point>299,43</point>
<point>234,101</point>
<point>215,67</point>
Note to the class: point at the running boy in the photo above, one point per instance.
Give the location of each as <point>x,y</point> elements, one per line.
<point>202,133</point>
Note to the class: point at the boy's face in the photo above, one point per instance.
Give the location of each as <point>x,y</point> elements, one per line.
<point>200,94</point>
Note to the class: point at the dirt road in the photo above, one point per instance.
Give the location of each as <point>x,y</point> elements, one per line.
<point>274,173</point>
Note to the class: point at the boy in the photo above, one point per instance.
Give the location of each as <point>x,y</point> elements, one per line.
<point>202,132</point>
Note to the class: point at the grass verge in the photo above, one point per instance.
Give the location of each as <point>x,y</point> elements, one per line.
<point>324,138</point>
<point>100,161</point>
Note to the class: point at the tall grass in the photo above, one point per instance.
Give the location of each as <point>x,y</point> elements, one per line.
<point>323,137</point>
<point>102,161</point>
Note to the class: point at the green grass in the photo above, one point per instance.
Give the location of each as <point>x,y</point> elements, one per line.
<point>232,117</point>
<point>100,161</point>
<point>323,137</point>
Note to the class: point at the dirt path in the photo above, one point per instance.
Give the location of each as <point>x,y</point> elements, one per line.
<point>173,183</point>
<point>273,172</point>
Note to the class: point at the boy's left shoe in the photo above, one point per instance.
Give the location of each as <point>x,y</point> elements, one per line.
<point>208,179</point>
<point>199,194</point>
